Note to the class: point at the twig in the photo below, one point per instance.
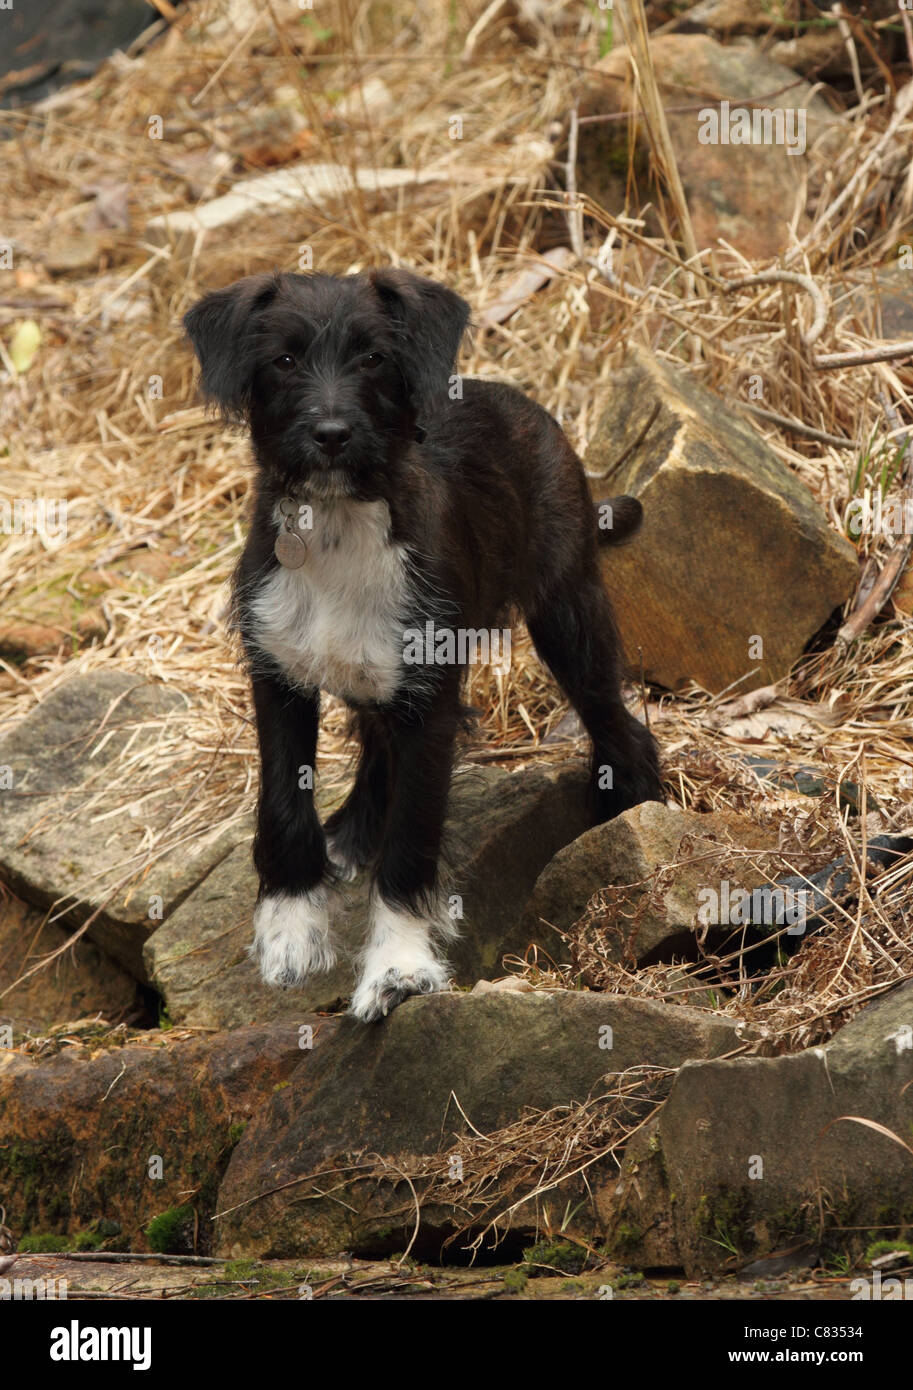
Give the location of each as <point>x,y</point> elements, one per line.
<point>574,213</point>
<point>636,31</point>
<point>888,352</point>
<point>797,427</point>
<point>129,1256</point>
<point>747,704</point>
<point>896,562</point>
<point>847,35</point>
<point>792,277</point>
<point>488,14</point>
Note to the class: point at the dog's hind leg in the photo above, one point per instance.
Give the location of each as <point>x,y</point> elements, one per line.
<point>291,919</point>
<point>354,832</point>
<point>400,956</point>
<point>575,635</point>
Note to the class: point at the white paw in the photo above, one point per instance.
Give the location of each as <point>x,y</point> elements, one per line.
<point>399,960</point>
<point>344,869</point>
<point>292,936</point>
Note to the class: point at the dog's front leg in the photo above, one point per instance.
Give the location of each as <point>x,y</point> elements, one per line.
<point>291,920</point>
<point>407,915</point>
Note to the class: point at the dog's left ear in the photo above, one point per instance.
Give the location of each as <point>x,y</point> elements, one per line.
<point>219,326</point>
<point>431,321</point>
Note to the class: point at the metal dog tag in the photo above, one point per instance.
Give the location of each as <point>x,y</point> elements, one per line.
<point>290,548</point>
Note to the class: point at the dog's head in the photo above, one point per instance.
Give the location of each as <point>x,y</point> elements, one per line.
<point>334,374</point>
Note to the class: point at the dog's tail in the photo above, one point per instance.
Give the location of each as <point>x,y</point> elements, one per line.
<point>618,519</point>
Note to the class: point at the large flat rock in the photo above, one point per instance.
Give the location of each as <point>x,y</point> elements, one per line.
<point>502,829</point>
<point>735,567</point>
<point>70,833</point>
<point>756,1155</point>
<point>304,1179</point>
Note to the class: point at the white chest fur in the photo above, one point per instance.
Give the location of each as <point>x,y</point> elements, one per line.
<point>337,622</point>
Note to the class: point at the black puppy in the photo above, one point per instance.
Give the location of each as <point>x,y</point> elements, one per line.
<point>394,502</point>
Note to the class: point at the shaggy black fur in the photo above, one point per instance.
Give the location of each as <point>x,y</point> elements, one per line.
<point>346,386</point>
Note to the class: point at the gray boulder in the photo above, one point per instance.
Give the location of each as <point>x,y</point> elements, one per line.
<point>636,849</point>
<point>754,1155</point>
<point>57,843</point>
<point>321,1168</point>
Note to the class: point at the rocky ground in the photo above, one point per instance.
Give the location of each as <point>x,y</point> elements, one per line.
<point>290,1280</point>
<point>621,1095</point>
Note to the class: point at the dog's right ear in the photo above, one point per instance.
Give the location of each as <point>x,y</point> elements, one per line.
<point>221,326</point>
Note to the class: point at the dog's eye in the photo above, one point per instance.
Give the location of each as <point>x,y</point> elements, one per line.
<point>285,363</point>
<point>372,360</point>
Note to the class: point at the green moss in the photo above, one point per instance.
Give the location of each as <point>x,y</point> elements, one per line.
<point>515,1280</point>
<point>44,1244</point>
<point>570,1259</point>
<point>171,1233</point>
<point>265,1276</point>
<point>723,1220</point>
<point>86,1240</point>
<point>886,1247</point>
<point>235,1131</point>
<point>629,1281</point>
<point>626,1238</point>
<point>38,1172</point>
<point>99,1235</point>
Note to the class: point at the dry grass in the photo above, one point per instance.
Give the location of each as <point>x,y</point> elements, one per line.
<point>156,491</point>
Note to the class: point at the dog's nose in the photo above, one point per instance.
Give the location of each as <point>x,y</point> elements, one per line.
<point>332,435</point>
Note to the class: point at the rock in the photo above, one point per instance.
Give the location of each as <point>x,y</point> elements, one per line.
<point>70,252</point>
<point>81,982</point>
<point>51,48</point>
<point>384,1096</point>
<point>747,1151</point>
<point>748,201</point>
<point>502,829</point>
<point>61,757</point>
<point>723,518</point>
<point>21,641</point>
<point>885,302</point>
<point>511,983</point>
<point>79,1133</point>
<point>726,17</point>
<point>198,961</point>
<point>820,54</point>
<point>636,848</point>
<point>51,627</point>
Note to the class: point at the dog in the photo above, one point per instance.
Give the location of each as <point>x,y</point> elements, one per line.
<point>392,498</point>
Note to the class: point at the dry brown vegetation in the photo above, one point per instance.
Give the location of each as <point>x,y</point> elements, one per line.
<point>156,489</point>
